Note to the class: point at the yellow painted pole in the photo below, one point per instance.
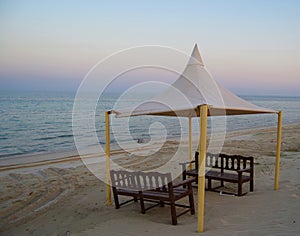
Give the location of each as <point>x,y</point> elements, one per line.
<point>277,167</point>
<point>108,191</point>
<point>201,167</point>
<point>190,141</point>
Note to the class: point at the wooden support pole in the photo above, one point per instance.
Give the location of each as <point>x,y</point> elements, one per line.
<point>201,166</point>
<point>277,167</point>
<point>107,126</point>
<point>190,142</point>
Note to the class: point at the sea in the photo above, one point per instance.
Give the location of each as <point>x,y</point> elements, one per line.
<point>41,122</point>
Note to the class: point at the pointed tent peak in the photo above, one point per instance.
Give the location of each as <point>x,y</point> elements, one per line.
<point>195,58</point>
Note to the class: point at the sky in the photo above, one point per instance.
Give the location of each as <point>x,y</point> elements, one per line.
<point>250,47</point>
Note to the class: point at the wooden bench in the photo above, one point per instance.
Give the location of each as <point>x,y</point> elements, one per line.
<point>153,187</point>
<point>223,168</point>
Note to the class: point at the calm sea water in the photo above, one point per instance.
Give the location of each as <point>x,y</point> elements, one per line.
<point>34,122</point>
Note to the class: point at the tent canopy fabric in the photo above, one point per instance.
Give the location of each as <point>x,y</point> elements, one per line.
<point>194,87</point>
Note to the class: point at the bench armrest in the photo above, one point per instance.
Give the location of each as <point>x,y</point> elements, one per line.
<point>184,164</point>
<point>185,182</point>
<point>249,169</point>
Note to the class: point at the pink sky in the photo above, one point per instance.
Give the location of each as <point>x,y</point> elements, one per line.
<point>249,47</point>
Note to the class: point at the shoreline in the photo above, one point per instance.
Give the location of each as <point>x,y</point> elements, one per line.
<point>73,151</point>
<point>44,159</point>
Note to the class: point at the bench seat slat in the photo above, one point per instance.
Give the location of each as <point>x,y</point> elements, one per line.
<point>164,196</point>
<point>229,177</point>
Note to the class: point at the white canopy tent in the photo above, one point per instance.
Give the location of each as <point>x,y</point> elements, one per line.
<point>194,87</point>
<point>195,94</point>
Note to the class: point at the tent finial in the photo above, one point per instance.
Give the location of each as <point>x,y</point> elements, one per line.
<point>195,57</point>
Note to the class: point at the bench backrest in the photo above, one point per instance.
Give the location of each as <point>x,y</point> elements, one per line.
<point>226,162</point>
<point>139,181</point>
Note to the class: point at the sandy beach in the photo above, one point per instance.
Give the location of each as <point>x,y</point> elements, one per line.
<point>58,194</point>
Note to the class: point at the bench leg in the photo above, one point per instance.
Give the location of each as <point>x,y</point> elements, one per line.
<point>191,200</point>
<point>240,189</point>
<point>251,186</point>
<point>143,210</point>
<point>135,199</point>
<point>173,212</point>
<point>116,198</point>
<point>209,184</point>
